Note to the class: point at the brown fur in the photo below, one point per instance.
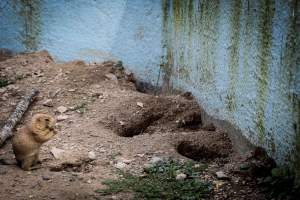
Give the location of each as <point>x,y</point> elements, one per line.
<point>28,140</point>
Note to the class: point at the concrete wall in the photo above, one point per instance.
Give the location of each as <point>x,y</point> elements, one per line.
<point>239,57</point>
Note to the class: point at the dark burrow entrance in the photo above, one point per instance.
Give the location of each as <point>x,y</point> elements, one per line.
<point>137,116</point>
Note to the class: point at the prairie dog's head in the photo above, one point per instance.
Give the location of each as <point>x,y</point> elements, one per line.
<point>41,123</point>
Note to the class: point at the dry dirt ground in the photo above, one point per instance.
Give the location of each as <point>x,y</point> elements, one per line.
<point>108,124</point>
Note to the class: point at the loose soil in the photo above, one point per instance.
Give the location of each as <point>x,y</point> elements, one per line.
<point>109,116</point>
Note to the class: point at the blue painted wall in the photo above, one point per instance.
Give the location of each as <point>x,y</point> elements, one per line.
<point>239,57</point>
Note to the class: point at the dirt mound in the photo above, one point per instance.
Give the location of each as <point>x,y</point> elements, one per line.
<point>205,145</point>
<point>25,65</point>
<point>80,73</point>
<point>171,112</point>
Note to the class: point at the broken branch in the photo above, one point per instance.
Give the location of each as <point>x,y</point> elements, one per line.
<point>16,116</point>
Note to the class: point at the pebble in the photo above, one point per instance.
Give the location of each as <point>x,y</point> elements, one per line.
<point>48,103</point>
<point>111,77</point>
<point>147,166</point>
<point>62,109</point>
<point>140,104</point>
<point>120,165</point>
<point>45,178</point>
<point>221,175</point>
<point>156,160</point>
<point>181,176</point>
<point>92,155</point>
<point>89,181</point>
<point>61,118</point>
<point>57,153</point>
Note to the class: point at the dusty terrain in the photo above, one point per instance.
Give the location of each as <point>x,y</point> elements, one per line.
<point>108,124</point>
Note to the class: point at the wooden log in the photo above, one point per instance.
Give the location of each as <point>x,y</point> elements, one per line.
<point>16,116</point>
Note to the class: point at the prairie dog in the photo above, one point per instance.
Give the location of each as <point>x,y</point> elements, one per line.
<point>28,139</point>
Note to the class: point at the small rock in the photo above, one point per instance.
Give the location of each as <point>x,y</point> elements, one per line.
<point>181,176</point>
<point>57,153</point>
<point>120,165</point>
<point>111,77</point>
<point>92,155</point>
<point>141,155</point>
<point>245,166</point>
<point>221,175</point>
<point>62,109</point>
<point>48,103</point>
<point>102,150</point>
<point>140,104</point>
<point>71,90</point>
<point>62,117</point>
<point>126,161</point>
<point>156,160</point>
<point>89,181</point>
<point>122,123</point>
<point>147,167</point>
<point>45,178</point>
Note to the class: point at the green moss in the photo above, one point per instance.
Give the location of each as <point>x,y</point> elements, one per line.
<point>182,27</point>
<point>177,10</point>
<point>190,19</point>
<point>233,64</point>
<point>291,62</point>
<point>186,22</point>
<point>249,32</point>
<point>266,14</point>
<point>167,61</point>
<point>207,24</point>
<point>160,183</point>
<point>297,141</point>
<point>30,12</point>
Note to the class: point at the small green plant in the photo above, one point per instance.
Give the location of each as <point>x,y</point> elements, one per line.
<point>3,82</point>
<point>160,183</point>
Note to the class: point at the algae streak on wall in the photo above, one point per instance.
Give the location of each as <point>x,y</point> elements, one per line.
<point>241,59</point>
